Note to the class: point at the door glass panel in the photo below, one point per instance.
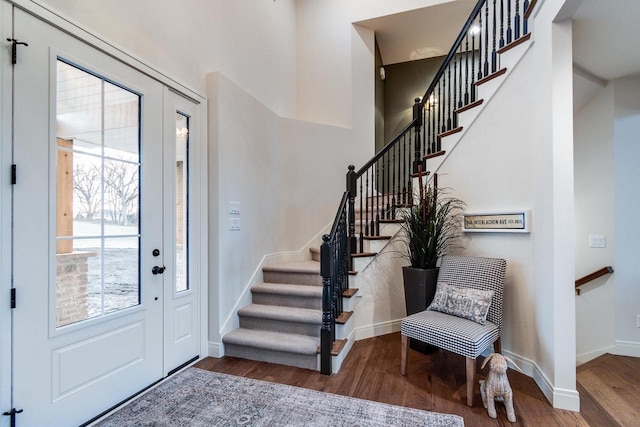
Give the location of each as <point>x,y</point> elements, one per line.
<point>182,202</point>
<point>97,196</point>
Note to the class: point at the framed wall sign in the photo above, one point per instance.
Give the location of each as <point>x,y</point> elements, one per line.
<point>496,222</point>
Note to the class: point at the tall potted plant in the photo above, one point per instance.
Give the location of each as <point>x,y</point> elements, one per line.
<point>431,229</point>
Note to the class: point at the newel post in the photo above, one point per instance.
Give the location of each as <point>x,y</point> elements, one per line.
<point>326,330</point>
<point>352,243</point>
<point>417,116</point>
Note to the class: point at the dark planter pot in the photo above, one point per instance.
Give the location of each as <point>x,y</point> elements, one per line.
<point>419,289</point>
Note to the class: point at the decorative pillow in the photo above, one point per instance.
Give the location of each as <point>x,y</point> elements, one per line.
<point>468,303</point>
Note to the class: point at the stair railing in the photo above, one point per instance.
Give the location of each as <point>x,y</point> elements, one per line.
<point>383,184</point>
<point>334,255</point>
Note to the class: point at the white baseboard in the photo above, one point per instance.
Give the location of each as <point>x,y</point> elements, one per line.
<point>627,348</point>
<point>377,329</point>
<point>590,355</point>
<point>215,350</point>
<point>526,365</point>
<point>558,397</point>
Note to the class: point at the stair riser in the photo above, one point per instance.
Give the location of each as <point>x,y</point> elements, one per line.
<point>306,361</point>
<point>359,264</point>
<point>374,245</point>
<point>292,278</point>
<point>287,327</point>
<point>287,300</point>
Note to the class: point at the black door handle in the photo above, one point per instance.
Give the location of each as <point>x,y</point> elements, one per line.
<point>158,270</point>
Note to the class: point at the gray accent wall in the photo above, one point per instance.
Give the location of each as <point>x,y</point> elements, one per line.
<point>379,97</point>
<point>404,82</point>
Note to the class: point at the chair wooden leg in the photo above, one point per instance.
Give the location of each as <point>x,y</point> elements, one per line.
<point>497,346</point>
<point>471,379</point>
<point>404,355</point>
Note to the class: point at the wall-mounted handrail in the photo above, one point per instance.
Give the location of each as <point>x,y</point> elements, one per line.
<point>589,277</point>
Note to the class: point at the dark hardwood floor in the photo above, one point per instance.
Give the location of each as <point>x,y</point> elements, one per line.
<point>609,386</point>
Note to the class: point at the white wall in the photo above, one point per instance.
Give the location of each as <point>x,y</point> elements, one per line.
<point>627,204</point>
<point>325,71</point>
<point>253,43</point>
<point>528,164</point>
<point>285,176</point>
<point>594,214</point>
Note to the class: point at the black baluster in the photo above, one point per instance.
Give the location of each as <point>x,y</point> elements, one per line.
<point>493,52</point>
<point>509,35</point>
<point>388,186</point>
<point>393,181</point>
<point>466,70</point>
<point>377,164</point>
<point>372,228</point>
<point>473,65</point>
<point>459,57</point>
<point>440,118</point>
<point>434,129</point>
<point>478,30</point>
<point>326,341</point>
<point>516,22</point>
<point>366,204</point>
<point>525,25</point>
<point>427,125</point>
<point>455,88</point>
<point>501,23</point>
<point>352,189</point>
<point>486,38</point>
<point>417,116</point>
<point>361,242</point>
<point>404,168</point>
<point>449,119</point>
<point>425,137</point>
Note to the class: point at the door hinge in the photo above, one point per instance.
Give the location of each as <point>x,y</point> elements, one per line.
<point>12,413</point>
<point>14,174</point>
<point>13,299</point>
<point>14,49</point>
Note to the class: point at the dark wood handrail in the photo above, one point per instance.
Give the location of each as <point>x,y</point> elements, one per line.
<point>452,51</point>
<point>589,277</point>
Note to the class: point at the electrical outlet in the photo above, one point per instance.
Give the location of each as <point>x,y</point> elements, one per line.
<point>234,224</point>
<point>234,208</point>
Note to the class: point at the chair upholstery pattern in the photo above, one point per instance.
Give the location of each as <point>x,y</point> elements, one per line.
<point>451,333</point>
<point>455,334</point>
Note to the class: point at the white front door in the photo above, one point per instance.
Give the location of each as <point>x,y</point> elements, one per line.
<point>105,304</point>
<point>182,237</point>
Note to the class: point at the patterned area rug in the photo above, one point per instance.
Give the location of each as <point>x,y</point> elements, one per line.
<point>197,397</point>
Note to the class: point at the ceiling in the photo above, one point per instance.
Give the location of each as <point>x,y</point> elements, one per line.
<point>605,42</point>
<point>605,38</point>
<point>420,33</point>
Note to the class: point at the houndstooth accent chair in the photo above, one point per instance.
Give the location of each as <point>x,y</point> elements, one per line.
<point>456,334</point>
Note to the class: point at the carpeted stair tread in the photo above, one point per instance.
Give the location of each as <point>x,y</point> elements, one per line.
<point>306,266</point>
<point>277,341</point>
<point>276,312</point>
<point>287,289</point>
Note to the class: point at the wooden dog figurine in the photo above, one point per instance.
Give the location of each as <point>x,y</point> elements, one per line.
<point>496,386</point>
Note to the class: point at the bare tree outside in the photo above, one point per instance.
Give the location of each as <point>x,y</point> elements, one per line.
<point>121,190</point>
<point>87,189</point>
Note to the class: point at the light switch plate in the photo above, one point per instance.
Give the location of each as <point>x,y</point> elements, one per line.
<point>234,224</point>
<point>234,208</point>
<point>597,241</point>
